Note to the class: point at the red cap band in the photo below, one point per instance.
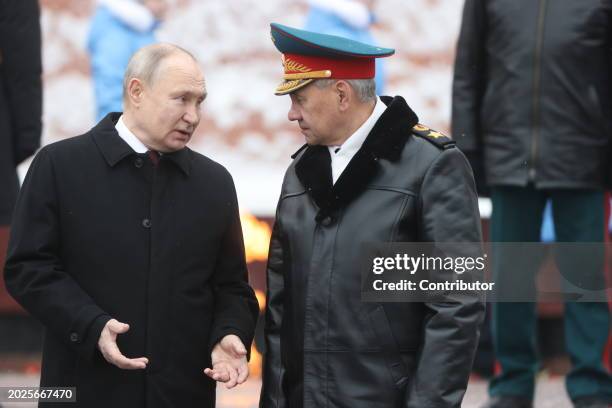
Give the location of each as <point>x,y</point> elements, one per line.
<point>346,68</point>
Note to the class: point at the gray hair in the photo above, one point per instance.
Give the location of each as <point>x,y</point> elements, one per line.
<point>364,88</point>
<point>145,63</point>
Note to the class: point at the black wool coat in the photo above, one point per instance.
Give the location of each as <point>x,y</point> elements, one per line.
<point>100,233</point>
<point>20,94</point>
<point>324,346</point>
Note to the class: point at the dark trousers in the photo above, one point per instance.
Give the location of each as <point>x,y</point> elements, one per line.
<point>578,217</point>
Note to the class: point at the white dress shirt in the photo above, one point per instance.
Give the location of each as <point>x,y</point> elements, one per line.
<point>342,155</point>
<point>129,137</point>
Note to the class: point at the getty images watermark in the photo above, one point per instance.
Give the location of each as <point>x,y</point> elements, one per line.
<point>495,272</point>
<point>421,263</point>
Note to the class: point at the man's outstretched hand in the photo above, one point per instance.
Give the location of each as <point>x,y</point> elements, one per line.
<point>109,349</point>
<point>229,363</point>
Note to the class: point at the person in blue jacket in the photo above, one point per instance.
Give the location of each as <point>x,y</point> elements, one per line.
<point>349,19</point>
<point>118,29</point>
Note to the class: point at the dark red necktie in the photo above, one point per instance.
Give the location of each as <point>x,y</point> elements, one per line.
<point>154,156</point>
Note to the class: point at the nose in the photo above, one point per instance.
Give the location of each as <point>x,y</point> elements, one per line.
<point>294,113</point>
<point>192,115</point>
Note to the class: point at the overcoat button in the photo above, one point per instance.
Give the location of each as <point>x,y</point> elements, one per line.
<point>326,221</point>
<point>74,337</point>
<point>138,162</point>
<point>146,223</point>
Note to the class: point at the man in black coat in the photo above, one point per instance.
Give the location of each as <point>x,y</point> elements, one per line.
<point>532,105</point>
<point>127,246</point>
<point>369,173</point>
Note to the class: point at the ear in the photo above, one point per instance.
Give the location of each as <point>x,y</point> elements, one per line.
<point>345,95</point>
<point>135,90</point>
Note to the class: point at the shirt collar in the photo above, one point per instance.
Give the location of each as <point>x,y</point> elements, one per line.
<point>355,141</point>
<point>129,137</point>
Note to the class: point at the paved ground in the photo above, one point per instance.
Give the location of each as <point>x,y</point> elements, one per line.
<point>550,393</point>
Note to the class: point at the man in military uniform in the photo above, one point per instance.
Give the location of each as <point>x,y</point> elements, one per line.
<point>534,120</point>
<point>369,172</point>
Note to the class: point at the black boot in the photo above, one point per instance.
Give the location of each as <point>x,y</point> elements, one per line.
<point>508,402</point>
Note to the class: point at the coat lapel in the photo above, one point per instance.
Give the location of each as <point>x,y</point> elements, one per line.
<point>385,141</point>
<point>314,171</point>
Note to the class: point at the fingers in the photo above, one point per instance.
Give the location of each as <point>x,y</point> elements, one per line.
<point>243,373</point>
<point>117,327</point>
<point>238,348</point>
<point>219,373</point>
<point>209,372</point>
<point>222,375</point>
<point>112,354</point>
<point>109,349</point>
<point>125,363</point>
<point>233,374</point>
<point>227,374</point>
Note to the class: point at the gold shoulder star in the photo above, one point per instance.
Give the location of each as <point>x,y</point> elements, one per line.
<point>434,134</point>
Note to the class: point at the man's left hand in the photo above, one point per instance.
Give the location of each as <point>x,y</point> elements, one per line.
<point>229,363</point>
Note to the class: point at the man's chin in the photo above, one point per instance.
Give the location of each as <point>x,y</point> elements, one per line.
<point>175,146</point>
<point>310,141</point>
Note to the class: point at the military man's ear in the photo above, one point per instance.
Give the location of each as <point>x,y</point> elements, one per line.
<point>135,90</point>
<point>344,94</point>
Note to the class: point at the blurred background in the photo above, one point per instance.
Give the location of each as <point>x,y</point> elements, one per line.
<point>245,128</point>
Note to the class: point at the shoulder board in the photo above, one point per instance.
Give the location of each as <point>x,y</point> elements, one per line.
<point>436,138</point>
<point>294,155</point>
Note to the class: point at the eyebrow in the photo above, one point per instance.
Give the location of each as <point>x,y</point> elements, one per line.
<point>202,93</point>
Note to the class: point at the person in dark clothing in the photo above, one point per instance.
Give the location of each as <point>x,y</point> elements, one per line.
<point>532,109</point>
<point>368,173</point>
<point>127,246</point>
<point>20,94</point>
<point>20,107</point>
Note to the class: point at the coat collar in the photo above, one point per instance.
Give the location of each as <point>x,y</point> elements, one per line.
<point>385,141</point>
<point>114,148</point>
<point>181,158</point>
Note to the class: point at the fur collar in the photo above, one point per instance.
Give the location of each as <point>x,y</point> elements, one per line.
<point>385,141</point>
